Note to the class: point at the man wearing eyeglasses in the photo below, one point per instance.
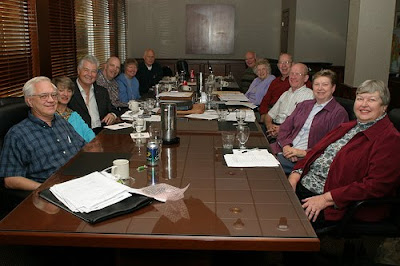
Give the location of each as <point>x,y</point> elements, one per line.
<point>37,146</point>
<point>278,86</point>
<point>298,92</point>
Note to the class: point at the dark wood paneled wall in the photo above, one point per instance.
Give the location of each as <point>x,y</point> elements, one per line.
<point>349,92</point>
<point>223,67</point>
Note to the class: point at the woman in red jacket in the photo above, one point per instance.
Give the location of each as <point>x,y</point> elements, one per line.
<point>356,161</point>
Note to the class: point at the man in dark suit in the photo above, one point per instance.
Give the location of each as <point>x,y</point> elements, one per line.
<point>149,72</point>
<point>90,100</point>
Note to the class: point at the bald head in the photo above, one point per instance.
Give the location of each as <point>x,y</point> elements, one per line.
<point>149,57</point>
<point>250,59</point>
<point>298,76</point>
<point>112,67</point>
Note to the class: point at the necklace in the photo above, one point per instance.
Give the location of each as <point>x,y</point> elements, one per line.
<point>65,114</point>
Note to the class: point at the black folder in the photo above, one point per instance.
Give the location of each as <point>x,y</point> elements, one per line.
<point>88,162</point>
<point>128,205</point>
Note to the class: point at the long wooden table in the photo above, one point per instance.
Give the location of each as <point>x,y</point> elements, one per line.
<point>223,208</point>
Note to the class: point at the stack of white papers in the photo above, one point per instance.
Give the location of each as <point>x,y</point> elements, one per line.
<point>175,94</point>
<point>97,190</point>
<point>89,193</point>
<point>247,104</point>
<point>251,158</point>
<point>233,97</point>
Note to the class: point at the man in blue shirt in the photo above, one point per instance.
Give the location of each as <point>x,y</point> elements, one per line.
<point>39,145</point>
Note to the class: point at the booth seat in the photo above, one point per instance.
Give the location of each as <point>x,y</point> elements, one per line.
<point>12,111</point>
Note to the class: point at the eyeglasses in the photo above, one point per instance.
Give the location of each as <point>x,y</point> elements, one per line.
<point>296,74</point>
<point>45,96</point>
<point>284,62</point>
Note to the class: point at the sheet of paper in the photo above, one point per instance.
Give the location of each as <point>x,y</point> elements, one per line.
<point>250,116</point>
<point>129,115</point>
<point>233,97</point>
<point>207,115</point>
<point>118,126</point>
<point>153,118</point>
<point>247,104</point>
<point>251,158</point>
<point>142,135</point>
<point>175,94</point>
<point>161,192</point>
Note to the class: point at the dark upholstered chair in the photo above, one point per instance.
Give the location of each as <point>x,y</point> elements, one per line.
<point>167,72</point>
<point>12,111</point>
<point>182,65</point>
<point>351,229</point>
<point>394,116</point>
<point>348,106</point>
<point>11,100</point>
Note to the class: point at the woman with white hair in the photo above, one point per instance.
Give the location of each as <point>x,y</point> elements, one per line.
<point>259,87</point>
<point>356,161</point>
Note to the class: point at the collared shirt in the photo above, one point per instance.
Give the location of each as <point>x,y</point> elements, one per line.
<point>276,89</point>
<point>315,178</point>
<point>112,88</point>
<point>301,140</point>
<point>287,103</point>
<point>35,150</point>
<point>128,88</point>
<point>258,88</point>
<point>91,105</point>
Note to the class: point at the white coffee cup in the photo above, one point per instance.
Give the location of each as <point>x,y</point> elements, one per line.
<point>120,168</point>
<point>133,106</point>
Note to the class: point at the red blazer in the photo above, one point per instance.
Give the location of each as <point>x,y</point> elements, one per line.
<point>368,166</point>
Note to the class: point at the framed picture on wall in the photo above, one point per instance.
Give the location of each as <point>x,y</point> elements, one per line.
<point>210,29</point>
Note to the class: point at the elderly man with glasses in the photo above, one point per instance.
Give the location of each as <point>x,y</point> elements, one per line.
<point>40,144</point>
<point>298,92</point>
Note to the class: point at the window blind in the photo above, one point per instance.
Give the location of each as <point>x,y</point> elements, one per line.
<point>19,60</point>
<point>62,38</point>
<point>121,29</point>
<point>93,29</point>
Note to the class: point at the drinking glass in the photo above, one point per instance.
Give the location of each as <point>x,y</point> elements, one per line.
<point>140,125</point>
<point>242,136</point>
<point>240,116</point>
<point>222,113</point>
<point>150,105</point>
<point>209,91</point>
<point>155,132</point>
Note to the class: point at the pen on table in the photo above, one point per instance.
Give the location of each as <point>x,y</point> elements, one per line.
<point>69,139</point>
